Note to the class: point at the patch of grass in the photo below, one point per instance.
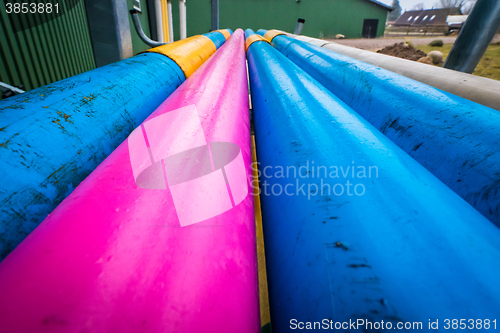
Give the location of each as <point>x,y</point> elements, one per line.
<point>489,66</point>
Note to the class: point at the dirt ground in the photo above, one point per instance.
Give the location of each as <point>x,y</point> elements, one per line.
<point>378,43</point>
<point>488,67</point>
<point>402,50</point>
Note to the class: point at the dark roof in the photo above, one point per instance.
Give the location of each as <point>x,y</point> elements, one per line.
<point>386,7</point>
<point>426,17</point>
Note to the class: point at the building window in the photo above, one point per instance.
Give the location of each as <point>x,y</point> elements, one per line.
<point>416,17</point>
<point>409,18</point>
<point>432,17</point>
<point>425,17</point>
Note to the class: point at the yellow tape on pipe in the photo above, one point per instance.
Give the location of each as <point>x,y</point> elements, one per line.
<point>270,34</point>
<point>225,33</point>
<point>189,53</point>
<point>254,38</point>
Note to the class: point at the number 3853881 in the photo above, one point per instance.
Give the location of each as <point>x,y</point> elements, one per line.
<point>32,8</point>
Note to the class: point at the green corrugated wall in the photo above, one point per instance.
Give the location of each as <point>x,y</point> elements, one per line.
<point>62,48</point>
<point>47,52</point>
<point>324,18</point>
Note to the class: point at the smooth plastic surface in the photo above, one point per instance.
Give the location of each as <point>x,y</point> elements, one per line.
<point>454,138</point>
<point>51,138</point>
<point>406,249</point>
<point>219,37</point>
<point>472,87</point>
<point>192,52</point>
<point>226,32</point>
<point>113,256</point>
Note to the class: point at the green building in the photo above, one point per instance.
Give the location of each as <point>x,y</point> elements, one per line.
<point>323,18</point>
<point>36,50</point>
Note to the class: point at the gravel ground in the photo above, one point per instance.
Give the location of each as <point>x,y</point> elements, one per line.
<point>378,43</point>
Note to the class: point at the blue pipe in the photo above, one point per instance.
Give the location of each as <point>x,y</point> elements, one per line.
<point>52,137</point>
<point>454,138</point>
<point>408,249</point>
<point>217,37</point>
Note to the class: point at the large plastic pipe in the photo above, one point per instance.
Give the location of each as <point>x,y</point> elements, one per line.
<point>456,139</point>
<point>52,137</point>
<point>219,39</point>
<point>475,88</point>
<point>407,250</point>
<point>114,256</point>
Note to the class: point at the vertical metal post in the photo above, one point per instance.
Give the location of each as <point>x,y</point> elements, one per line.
<point>475,36</point>
<point>299,26</point>
<point>159,21</point>
<point>182,18</point>
<point>170,21</point>
<point>109,27</point>
<point>215,15</point>
<point>150,5</point>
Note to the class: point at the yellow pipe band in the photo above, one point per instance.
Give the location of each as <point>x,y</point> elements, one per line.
<point>189,53</point>
<point>252,39</point>
<point>270,34</point>
<point>225,33</point>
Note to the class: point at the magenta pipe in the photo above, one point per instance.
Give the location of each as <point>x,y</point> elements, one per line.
<point>153,240</point>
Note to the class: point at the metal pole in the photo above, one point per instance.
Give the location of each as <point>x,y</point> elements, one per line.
<point>109,28</point>
<point>159,21</point>
<point>215,15</point>
<point>299,26</point>
<point>6,87</point>
<point>475,36</point>
<point>150,5</point>
<point>182,18</point>
<point>170,21</point>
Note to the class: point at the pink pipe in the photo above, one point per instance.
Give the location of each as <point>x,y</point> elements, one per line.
<point>120,257</point>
